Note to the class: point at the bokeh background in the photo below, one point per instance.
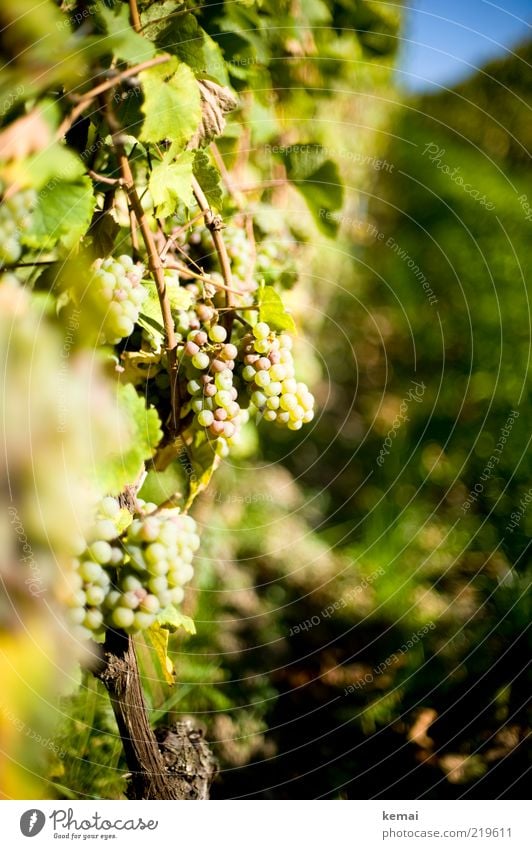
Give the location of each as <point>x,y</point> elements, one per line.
<point>362,596</point>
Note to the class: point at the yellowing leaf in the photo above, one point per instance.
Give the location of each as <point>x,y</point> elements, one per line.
<point>171,619</point>
<point>157,638</point>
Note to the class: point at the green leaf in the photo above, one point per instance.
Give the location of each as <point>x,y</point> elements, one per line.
<point>121,39</point>
<point>170,183</point>
<point>182,36</point>
<point>171,619</point>
<point>172,483</point>
<point>208,177</point>
<point>154,329</point>
<point>172,106</point>
<point>273,311</point>
<point>143,433</point>
<point>54,162</point>
<point>63,214</point>
<point>319,181</point>
<point>179,298</point>
<point>103,233</point>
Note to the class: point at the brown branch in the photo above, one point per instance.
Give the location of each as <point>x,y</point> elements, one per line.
<point>89,96</point>
<point>134,14</point>
<point>154,261</point>
<point>101,178</point>
<point>193,275</point>
<point>214,223</point>
<point>171,239</point>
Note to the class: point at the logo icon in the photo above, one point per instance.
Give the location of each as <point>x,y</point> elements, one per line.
<point>32,822</point>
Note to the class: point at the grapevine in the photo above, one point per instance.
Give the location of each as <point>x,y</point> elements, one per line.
<point>121,233</point>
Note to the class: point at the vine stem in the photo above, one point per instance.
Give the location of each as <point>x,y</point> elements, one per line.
<point>135,17</point>
<point>214,223</point>
<point>154,260</point>
<point>120,676</point>
<point>89,96</point>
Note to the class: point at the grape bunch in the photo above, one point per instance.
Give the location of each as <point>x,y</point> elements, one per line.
<point>15,215</point>
<point>159,549</point>
<point>130,569</point>
<point>115,295</point>
<point>90,580</point>
<point>209,363</point>
<point>268,370</point>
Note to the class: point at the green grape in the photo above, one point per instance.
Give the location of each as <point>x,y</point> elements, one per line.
<point>268,373</point>
<point>114,296</point>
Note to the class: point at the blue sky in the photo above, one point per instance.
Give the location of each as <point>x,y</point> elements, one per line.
<point>445,40</point>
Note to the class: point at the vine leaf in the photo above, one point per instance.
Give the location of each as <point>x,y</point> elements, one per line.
<point>273,311</point>
<point>139,365</point>
<point>179,298</point>
<point>157,639</point>
<point>62,214</point>
<point>171,105</point>
<point>121,39</point>
<point>142,436</point>
<point>205,460</point>
<point>161,486</point>
<point>216,102</point>
<point>208,177</point>
<point>103,232</point>
<point>171,619</point>
<point>171,182</point>
<point>181,35</point>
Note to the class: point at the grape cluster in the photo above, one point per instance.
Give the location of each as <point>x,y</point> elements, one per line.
<point>268,370</point>
<point>125,578</point>
<point>116,294</point>
<point>209,363</point>
<point>90,580</point>
<point>159,548</point>
<point>14,219</point>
